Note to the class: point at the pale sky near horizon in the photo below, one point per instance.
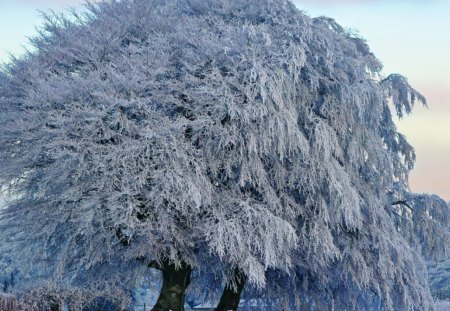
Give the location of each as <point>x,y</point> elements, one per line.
<point>410,37</point>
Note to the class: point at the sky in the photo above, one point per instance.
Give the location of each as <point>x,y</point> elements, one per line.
<point>410,37</point>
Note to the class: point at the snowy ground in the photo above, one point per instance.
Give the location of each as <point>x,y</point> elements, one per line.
<point>442,305</point>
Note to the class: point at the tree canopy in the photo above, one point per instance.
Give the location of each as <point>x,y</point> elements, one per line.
<point>215,135</point>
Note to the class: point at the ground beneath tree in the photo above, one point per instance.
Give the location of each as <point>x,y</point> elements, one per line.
<point>442,305</point>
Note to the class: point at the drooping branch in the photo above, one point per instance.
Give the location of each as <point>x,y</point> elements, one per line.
<point>404,203</point>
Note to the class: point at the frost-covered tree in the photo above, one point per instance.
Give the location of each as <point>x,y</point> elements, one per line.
<point>240,139</point>
<point>420,217</point>
<point>423,220</point>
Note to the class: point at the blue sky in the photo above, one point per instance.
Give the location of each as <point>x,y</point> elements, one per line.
<point>409,37</point>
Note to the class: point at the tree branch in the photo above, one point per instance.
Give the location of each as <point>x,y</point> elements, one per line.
<point>402,202</point>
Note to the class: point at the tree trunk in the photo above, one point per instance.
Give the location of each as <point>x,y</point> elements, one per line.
<point>175,282</point>
<point>231,296</point>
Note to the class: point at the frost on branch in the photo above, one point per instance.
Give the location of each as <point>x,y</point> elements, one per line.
<point>401,93</point>
<point>215,135</point>
<point>424,220</point>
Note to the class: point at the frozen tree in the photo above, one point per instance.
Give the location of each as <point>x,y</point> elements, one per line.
<point>109,158</point>
<point>439,276</point>
<point>424,221</point>
<point>240,139</point>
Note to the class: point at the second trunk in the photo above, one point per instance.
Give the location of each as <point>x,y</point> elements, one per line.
<point>175,282</point>
<point>232,294</point>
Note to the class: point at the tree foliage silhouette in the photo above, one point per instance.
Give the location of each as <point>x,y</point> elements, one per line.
<point>215,136</point>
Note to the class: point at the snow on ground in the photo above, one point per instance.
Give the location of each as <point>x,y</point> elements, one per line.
<point>442,305</point>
